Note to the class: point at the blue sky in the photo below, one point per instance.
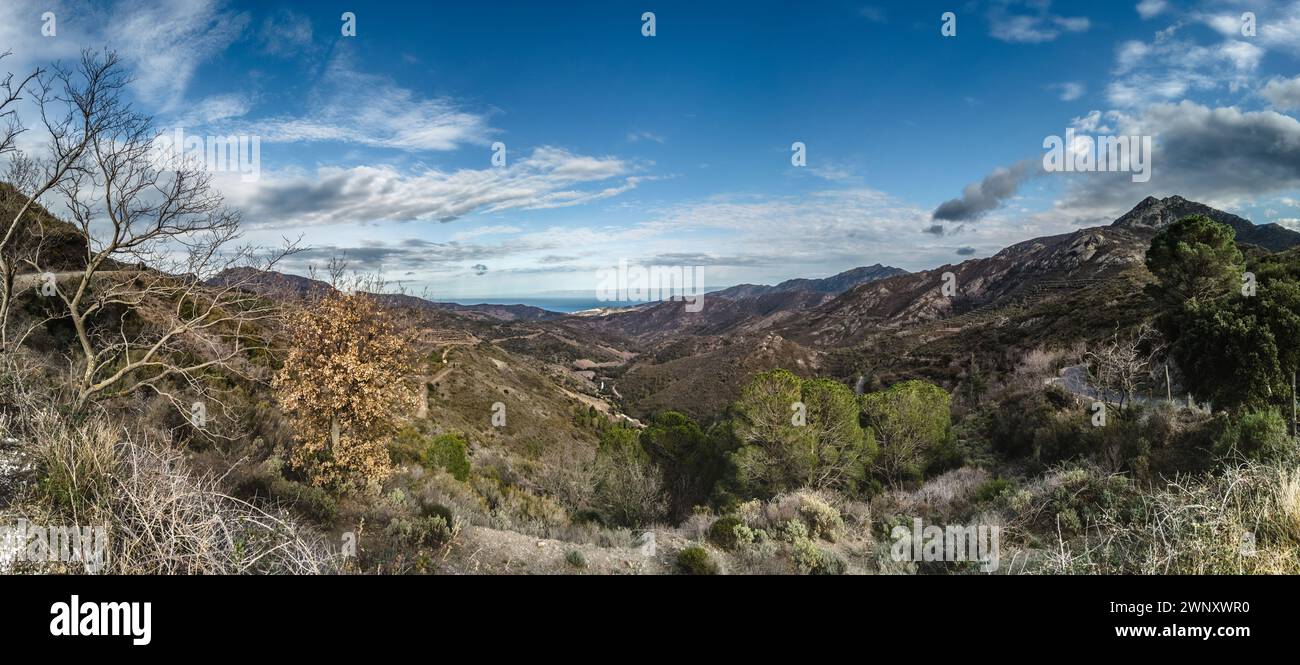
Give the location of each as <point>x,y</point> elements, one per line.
<point>675,149</point>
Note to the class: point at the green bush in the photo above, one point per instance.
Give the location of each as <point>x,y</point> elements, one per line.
<point>575,559</point>
<point>314,502</point>
<point>813,560</point>
<point>695,560</point>
<point>407,447</point>
<point>264,481</point>
<point>430,532</point>
<point>723,533</point>
<point>448,451</point>
<point>823,519</point>
<point>1257,434</point>
<point>990,490</point>
<point>437,510</point>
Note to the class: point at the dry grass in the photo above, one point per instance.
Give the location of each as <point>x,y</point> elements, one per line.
<point>945,493</point>
<point>1241,521</point>
<point>161,516</point>
<point>1288,502</point>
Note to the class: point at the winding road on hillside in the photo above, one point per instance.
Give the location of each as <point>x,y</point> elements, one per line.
<point>1074,379</point>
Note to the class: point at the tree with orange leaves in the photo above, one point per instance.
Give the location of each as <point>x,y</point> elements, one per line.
<point>343,387</point>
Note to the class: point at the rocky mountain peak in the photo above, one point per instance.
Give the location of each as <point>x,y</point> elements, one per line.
<point>1153,214</point>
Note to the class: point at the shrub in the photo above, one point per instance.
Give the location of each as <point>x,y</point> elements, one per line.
<point>313,502</point>
<point>804,513</point>
<point>407,447</point>
<point>450,452</point>
<point>823,520</point>
<point>723,532</point>
<point>1258,434</point>
<point>575,559</point>
<point>695,560</point>
<point>437,510</point>
<point>629,489</point>
<point>792,530</point>
<point>813,560</point>
<point>429,532</point>
<point>991,489</point>
<point>1196,526</point>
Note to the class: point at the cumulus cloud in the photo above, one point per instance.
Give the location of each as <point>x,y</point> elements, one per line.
<point>1171,66</point>
<point>978,198</point>
<point>1203,153</point>
<point>1283,93</point>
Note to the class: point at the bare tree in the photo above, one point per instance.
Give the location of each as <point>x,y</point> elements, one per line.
<point>1122,366</point>
<point>10,94</point>
<point>74,106</point>
<point>157,304</point>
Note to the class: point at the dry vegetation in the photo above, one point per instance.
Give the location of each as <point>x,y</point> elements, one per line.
<point>321,456</point>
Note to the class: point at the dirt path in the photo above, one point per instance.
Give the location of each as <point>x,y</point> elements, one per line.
<point>480,550</point>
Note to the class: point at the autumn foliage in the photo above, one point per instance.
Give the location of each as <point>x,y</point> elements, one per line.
<point>344,388</point>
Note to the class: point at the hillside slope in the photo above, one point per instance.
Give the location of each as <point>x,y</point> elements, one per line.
<point>1153,214</point>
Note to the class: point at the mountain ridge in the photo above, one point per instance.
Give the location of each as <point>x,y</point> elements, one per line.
<point>837,283</point>
<point>1152,214</point>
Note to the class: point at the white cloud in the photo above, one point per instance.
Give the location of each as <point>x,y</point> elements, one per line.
<point>166,42</point>
<point>1224,24</point>
<point>480,231</point>
<point>547,178</point>
<point>162,43</point>
<point>1032,28</point>
<point>1172,67</point>
<point>637,136</point>
<point>351,106</point>
<point>1282,29</point>
<point>1283,93</point>
<point>1200,152</point>
<point>1151,8</point>
<point>1242,55</point>
<point>286,33</point>
<point>214,109</point>
<point>1129,55</point>
<point>1092,122</point>
<point>1070,90</point>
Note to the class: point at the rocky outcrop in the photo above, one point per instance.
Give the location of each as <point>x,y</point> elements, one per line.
<point>1153,214</point>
